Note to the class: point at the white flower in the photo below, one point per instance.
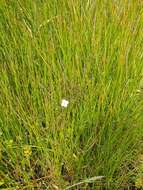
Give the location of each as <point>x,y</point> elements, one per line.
<point>64,103</point>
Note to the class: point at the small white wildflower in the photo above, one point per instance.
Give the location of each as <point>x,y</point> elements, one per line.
<point>64,103</point>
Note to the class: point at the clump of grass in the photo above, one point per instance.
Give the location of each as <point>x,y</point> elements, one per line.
<point>90,53</point>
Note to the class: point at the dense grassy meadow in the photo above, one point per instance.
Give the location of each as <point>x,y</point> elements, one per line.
<point>89,52</point>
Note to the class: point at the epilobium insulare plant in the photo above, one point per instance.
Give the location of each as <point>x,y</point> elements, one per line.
<point>64,103</point>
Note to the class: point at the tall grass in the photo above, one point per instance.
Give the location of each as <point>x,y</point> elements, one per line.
<point>90,53</point>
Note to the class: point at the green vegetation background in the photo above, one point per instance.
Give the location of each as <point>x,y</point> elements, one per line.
<point>90,53</point>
